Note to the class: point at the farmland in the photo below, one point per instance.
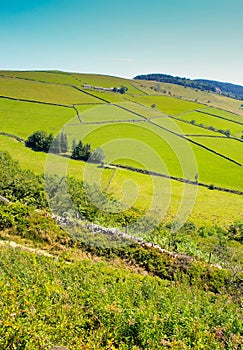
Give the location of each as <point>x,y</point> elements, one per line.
<point>131,133</point>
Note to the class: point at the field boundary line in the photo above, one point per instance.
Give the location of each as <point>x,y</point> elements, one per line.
<point>181,136</point>
<point>218,116</point>
<point>17,138</point>
<point>34,101</point>
<point>180,179</point>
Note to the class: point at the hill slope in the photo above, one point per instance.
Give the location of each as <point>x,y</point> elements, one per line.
<point>227,89</point>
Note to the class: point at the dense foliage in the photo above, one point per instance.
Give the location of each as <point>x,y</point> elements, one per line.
<point>39,141</point>
<point>88,305</point>
<point>227,89</point>
<point>181,304</point>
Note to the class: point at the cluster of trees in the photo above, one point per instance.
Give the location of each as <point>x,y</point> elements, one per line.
<point>227,89</point>
<point>84,152</point>
<point>41,141</point>
<point>122,89</point>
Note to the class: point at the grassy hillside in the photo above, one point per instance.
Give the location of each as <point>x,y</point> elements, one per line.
<point>189,94</point>
<point>97,291</point>
<point>94,305</point>
<point>131,133</point>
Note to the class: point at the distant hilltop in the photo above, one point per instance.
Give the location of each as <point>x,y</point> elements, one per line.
<point>226,89</point>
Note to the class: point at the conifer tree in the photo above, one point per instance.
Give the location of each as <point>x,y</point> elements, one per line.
<point>63,142</point>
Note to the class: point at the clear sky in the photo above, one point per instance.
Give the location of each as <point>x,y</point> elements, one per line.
<point>191,38</point>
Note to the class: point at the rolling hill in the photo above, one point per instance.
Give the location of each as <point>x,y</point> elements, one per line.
<point>142,251</point>
<point>162,133</point>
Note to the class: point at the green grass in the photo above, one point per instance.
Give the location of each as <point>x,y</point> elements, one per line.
<point>43,92</point>
<point>210,206</point>
<point>225,114</point>
<point>169,105</point>
<point>111,97</point>
<point>226,146</point>
<point>107,81</point>
<point>182,128</point>
<point>24,118</point>
<point>208,98</point>
<point>57,77</point>
<point>208,120</point>
<point>93,305</point>
<point>106,113</point>
<point>147,146</point>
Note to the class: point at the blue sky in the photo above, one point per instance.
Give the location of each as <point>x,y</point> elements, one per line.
<point>196,39</point>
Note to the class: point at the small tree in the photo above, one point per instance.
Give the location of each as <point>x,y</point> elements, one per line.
<point>97,156</point>
<point>55,147</point>
<point>74,144</point>
<point>86,152</point>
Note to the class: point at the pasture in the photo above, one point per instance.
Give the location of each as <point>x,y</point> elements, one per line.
<point>209,99</point>
<point>52,93</point>
<point>211,121</point>
<point>23,118</point>
<point>145,145</point>
<point>210,207</point>
<point>138,140</point>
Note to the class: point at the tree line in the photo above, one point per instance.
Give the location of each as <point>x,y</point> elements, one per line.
<point>43,142</point>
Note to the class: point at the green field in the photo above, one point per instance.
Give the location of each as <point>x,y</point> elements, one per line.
<point>52,93</point>
<point>141,142</point>
<point>168,105</point>
<point>217,123</point>
<point>181,127</point>
<point>231,148</point>
<point>147,146</point>
<point>207,98</point>
<point>48,76</point>
<point>210,207</point>
<point>24,118</point>
<point>106,113</point>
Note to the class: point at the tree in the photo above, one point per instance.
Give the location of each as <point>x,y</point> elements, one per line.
<point>55,147</point>
<point>86,152</point>
<point>81,152</point>
<point>123,89</point>
<point>63,142</point>
<point>153,105</point>
<point>74,144</point>
<point>78,151</point>
<point>97,156</point>
<point>39,141</point>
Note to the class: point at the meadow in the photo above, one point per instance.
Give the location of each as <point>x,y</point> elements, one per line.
<point>142,143</point>
<point>52,93</point>
<point>48,76</point>
<point>210,207</point>
<point>188,94</point>
<point>210,121</point>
